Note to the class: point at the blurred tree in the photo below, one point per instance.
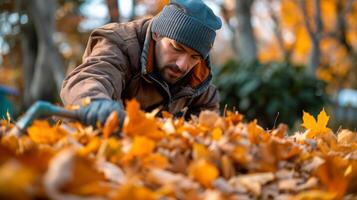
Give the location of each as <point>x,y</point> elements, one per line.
<point>322,34</point>
<point>277,29</point>
<point>34,39</point>
<point>315,32</point>
<point>245,36</point>
<point>43,65</point>
<point>113,8</point>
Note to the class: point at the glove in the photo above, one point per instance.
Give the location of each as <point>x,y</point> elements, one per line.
<point>99,110</point>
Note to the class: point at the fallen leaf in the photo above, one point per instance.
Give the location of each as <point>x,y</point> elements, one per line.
<point>134,192</point>
<point>138,124</point>
<point>315,127</point>
<point>203,172</point>
<point>346,137</point>
<point>253,182</point>
<point>331,174</point>
<point>111,124</point>
<point>314,194</point>
<point>41,132</point>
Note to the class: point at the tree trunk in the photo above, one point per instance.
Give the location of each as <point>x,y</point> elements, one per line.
<point>341,34</point>
<point>315,34</point>
<point>49,70</point>
<point>29,51</point>
<point>244,35</point>
<point>278,32</point>
<point>113,8</point>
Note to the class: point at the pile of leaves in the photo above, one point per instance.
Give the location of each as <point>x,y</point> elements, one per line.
<point>210,157</point>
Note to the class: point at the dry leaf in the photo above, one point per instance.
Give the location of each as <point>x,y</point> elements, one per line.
<point>133,192</point>
<point>41,132</point>
<point>111,124</point>
<point>137,124</point>
<point>254,182</point>
<point>208,119</point>
<point>315,194</point>
<point>346,137</point>
<point>331,174</point>
<point>203,172</point>
<point>315,127</point>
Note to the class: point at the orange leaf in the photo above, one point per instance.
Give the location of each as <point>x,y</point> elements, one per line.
<point>133,192</point>
<point>16,179</point>
<point>91,147</point>
<point>315,194</point>
<point>255,132</point>
<point>217,133</point>
<point>155,160</point>
<point>137,124</point>
<point>199,151</point>
<point>331,174</point>
<point>141,146</point>
<point>203,172</point>
<point>309,121</point>
<point>41,132</point>
<point>111,124</point>
<point>85,176</point>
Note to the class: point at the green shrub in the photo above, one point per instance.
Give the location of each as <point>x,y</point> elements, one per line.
<point>272,92</point>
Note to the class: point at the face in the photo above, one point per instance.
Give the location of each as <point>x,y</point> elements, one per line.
<point>174,60</point>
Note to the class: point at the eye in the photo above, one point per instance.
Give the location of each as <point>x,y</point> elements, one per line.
<point>196,57</point>
<point>178,49</point>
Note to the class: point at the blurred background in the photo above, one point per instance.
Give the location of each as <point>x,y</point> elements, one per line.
<point>273,59</point>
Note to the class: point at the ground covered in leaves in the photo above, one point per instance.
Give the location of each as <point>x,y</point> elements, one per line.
<point>211,157</point>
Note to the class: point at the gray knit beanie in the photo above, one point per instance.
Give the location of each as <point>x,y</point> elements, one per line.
<point>189,22</point>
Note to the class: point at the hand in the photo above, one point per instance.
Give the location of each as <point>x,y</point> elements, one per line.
<point>99,110</point>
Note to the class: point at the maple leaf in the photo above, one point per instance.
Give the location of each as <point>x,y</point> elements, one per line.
<point>315,127</point>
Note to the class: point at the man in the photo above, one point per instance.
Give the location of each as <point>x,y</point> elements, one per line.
<point>163,62</point>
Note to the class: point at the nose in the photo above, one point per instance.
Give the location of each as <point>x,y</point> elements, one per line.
<point>183,62</point>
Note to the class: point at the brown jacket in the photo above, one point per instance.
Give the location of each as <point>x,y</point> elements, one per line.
<point>118,64</point>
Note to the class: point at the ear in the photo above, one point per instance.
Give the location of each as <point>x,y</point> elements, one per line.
<point>155,36</point>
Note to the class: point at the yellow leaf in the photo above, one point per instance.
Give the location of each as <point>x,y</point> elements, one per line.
<point>322,120</point>
<point>309,121</point>
<point>217,133</point>
<point>203,172</point>
<point>315,127</point>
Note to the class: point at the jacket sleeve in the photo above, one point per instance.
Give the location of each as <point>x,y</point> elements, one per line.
<point>208,100</point>
<point>103,73</point>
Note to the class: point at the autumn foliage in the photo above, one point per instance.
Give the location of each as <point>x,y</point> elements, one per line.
<point>208,157</point>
